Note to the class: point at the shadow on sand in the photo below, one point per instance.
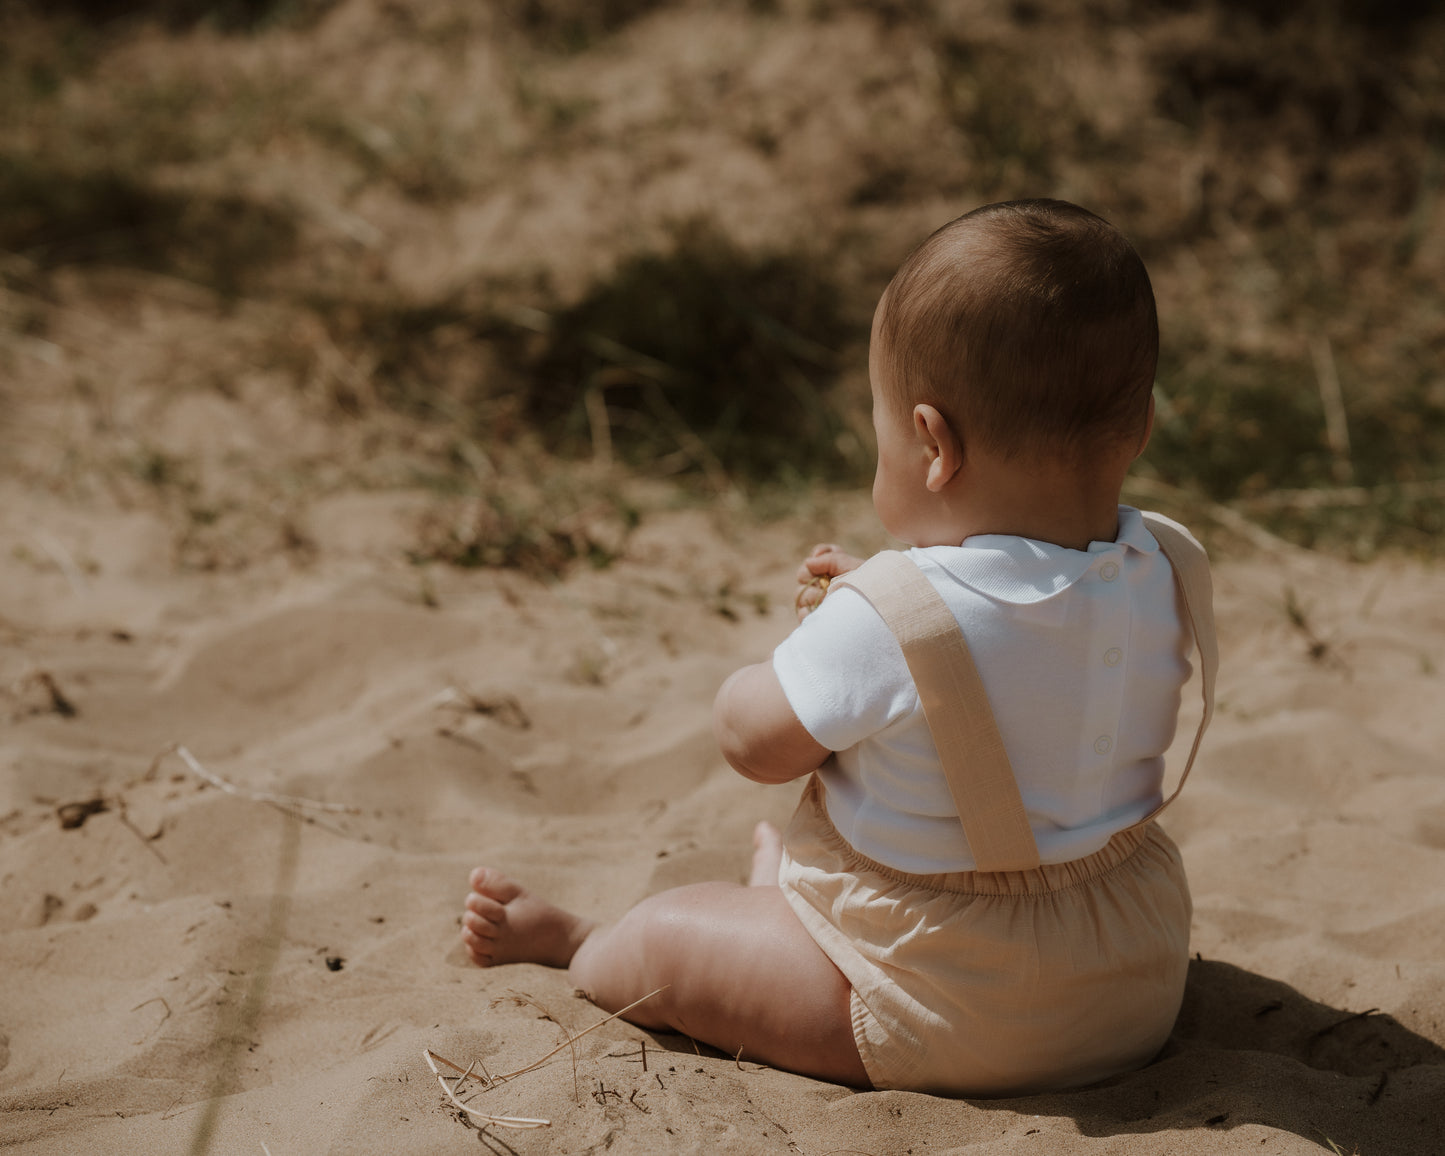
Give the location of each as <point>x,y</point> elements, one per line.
<point>1251,1050</point>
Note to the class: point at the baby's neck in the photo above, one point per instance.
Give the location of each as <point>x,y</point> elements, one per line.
<point>1067,507</point>
<point>1064,525</point>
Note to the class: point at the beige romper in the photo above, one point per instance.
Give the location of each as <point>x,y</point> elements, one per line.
<point>1014,977</point>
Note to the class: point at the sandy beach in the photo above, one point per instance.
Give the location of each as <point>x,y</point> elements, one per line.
<point>561,731</point>
<point>349,538</point>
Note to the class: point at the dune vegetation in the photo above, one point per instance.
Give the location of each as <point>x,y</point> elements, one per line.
<point>533,256</point>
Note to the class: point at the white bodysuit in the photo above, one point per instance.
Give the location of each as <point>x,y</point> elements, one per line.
<point>1083,654</point>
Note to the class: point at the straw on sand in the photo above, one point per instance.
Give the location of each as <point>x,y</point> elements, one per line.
<point>489,1081</point>
<point>283,801</point>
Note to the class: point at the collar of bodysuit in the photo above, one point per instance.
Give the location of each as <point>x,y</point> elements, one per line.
<point>1022,570</point>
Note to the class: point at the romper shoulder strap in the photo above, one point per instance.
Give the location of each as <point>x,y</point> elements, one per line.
<point>1191,575</point>
<point>955,704</point>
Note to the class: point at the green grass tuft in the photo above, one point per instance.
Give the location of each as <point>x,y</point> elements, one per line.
<point>707,358</point>
<point>540,529</point>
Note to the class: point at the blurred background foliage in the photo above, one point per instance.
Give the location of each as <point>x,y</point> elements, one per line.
<point>488,246</point>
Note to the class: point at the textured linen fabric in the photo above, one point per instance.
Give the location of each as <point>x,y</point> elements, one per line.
<point>971,753</point>
<point>1027,977</point>
<point>1083,654</point>
<point>998,983</point>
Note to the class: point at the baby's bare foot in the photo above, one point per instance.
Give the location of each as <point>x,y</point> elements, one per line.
<point>767,855</point>
<point>506,923</point>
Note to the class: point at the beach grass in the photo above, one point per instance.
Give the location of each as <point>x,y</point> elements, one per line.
<point>1280,174</point>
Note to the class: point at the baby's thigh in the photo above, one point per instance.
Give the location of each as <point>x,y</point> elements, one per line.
<point>741,973</point>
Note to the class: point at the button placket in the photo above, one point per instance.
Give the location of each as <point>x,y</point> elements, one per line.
<point>1111,630</point>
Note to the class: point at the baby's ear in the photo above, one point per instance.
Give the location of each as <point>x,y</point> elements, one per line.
<point>941,445</point>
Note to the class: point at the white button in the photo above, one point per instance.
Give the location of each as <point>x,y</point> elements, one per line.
<point>1113,656</point>
<point>1103,745</point>
<point>1109,571</point>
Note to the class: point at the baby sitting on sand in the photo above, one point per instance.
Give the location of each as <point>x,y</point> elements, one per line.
<point>972,898</point>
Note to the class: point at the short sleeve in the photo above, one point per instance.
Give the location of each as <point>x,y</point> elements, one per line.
<point>843,672</point>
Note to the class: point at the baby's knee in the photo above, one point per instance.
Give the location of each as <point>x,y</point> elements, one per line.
<point>646,950</point>
<point>593,968</point>
<point>612,966</point>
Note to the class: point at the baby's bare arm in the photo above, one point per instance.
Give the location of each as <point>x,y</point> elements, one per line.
<point>758,732</point>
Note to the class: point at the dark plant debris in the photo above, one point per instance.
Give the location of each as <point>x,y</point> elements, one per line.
<point>59,702</point>
<point>74,815</point>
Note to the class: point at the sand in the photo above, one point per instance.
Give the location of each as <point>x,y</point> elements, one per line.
<point>205,526</point>
<point>561,731</point>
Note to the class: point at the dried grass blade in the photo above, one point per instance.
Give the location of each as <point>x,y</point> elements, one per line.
<point>1337,428</point>
<point>570,1040</point>
<point>260,796</point>
<point>519,1123</point>
<point>448,1063</point>
<point>528,1001</point>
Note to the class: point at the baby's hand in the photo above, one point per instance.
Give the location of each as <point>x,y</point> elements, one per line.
<point>825,563</point>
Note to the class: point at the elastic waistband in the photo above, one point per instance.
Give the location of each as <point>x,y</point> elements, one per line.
<point>1042,880</point>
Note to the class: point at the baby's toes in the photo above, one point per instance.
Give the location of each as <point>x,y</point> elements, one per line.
<point>479,926</point>
<point>478,947</point>
<point>491,882</point>
<point>486,907</point>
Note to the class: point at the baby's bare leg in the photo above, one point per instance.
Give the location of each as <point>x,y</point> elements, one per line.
<point>740,974</point>
<point>767,855</point>
<point>738,968</point>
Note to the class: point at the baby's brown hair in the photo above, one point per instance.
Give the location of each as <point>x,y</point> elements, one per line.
<point>1030,324</point>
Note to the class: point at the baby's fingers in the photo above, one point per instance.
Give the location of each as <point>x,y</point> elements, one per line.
<point>813,565</point>
<point>810,594</point>
<point>827,559</point>
<point>828,565</point>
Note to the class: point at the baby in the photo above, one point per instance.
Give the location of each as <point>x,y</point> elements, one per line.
<point>972,898</point>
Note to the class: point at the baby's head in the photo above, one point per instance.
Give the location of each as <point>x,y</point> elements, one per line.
<point>1031,326</point>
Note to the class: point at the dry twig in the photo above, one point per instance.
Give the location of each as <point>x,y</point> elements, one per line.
<point>1339,1023</point>
<point>505,708</point>
<point>146,840</point>
<point>599,424</point>
<point>520,1122</point>
<point>160,999</point>
<point>1337,429</point>
<point>527,1001</point>
<point>58,702</point>
<point>64,561</point>
<point>285,802</point>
